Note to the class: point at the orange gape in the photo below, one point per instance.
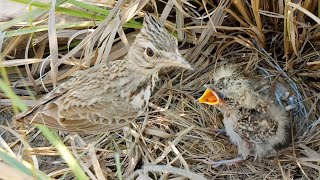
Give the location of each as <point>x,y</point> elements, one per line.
<point>209,97</point>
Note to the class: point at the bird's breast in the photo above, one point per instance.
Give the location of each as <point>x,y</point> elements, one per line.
<point>140,97</point>
<point>229,120</point>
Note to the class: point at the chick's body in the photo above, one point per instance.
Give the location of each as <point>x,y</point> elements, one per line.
<point>252,120</point>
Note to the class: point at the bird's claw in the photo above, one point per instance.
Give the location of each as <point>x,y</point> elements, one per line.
<point>290,107</point>
<point>228,162</point>
<point>223,131</point>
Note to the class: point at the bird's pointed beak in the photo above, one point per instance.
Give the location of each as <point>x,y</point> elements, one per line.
<point>178,61</point>
<point>210,97</point>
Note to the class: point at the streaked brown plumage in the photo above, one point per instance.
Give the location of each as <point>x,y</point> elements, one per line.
<point>109,95</point>
<point>254,123</point>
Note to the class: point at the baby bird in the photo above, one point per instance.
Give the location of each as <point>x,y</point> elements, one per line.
<point>254,123</point>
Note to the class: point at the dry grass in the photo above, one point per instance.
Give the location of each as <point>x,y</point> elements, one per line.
<point>276,37</point>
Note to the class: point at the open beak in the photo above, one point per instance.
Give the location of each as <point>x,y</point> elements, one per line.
<point>210,97</point>
<point>178,61</point>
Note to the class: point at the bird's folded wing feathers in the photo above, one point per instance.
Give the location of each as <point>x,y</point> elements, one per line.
<point>86,120</point>
<point>80,103</point>
<point>255,126</point>
<point>56,93</point>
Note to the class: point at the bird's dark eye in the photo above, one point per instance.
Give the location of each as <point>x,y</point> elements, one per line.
<point>219,86</point>
<point>149,52</point>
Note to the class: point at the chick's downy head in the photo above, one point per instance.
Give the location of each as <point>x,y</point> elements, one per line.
<point>228,88</point>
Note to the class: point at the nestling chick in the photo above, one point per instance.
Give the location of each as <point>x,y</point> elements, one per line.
<point>254,123</point>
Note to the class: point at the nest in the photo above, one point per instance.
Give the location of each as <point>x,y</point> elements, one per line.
<point>177,137</point>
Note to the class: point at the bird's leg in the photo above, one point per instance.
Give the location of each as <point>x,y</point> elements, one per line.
<point>244,150</point>
<point>127,135</point>
<point>218,131</point>
<point>227,162</point>
<point>132,138</point>
<point>215,131</point>
<point>292,105</point>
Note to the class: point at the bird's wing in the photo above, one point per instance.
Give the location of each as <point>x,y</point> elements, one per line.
<point>55,93</point>
<point>255,125</point>
<point>94,118</point>
<point>276,90</point>
<point>85,102</point>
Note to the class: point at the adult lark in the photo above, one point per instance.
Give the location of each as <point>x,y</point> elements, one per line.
<point>110,95</point>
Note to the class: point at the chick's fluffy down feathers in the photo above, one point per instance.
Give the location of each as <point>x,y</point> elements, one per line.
<point>254,123</point>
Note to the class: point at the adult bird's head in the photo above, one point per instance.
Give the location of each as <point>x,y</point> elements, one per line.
<point>154,48</point>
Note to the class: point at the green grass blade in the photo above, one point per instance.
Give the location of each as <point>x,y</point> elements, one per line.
<point>14,98</point>
<point>64,152</point>
<point>56,142</point>
<point>90,7</point>
<point>19,166</point>
<point>118,165</point>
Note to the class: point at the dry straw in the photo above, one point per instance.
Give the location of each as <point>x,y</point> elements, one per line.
<point>177,137</point>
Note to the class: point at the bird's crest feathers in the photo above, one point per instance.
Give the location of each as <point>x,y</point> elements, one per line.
<point>224,72</point>
<point>155,32</point>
